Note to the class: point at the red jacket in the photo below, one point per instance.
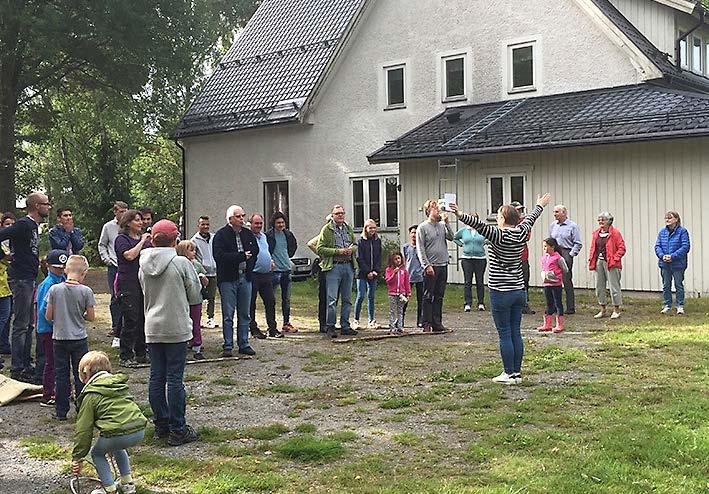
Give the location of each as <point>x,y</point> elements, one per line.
<point>615,249</point>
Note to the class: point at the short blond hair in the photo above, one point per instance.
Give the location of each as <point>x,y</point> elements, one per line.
<point>92,363</point>
<point>184,246</point>
<point>76,265</point>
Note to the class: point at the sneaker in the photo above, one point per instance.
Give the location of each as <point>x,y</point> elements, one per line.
<point>666,309</point>
<point>400,331</point>
<point>128,363</point>
<point>128,488</point>
<point>101,490</point>
<point>47,403</point>
<point>348,332</point>
<point>601,314</point>
<point>504,378</point>
<point>143,359</point>
<point>517,377</point>
<point>247,351</point>
<point>615,315</point>
<point>210,324</point>
<point>481,307</point>
<point>355,324</point>
<point>188,435</point>
<point>527,310</point>
<point>116,343</point>
<point>373,324</point>
<point>227,353</point>
<point>680,310</point>
<point>274,333</point>
<point>258,334</point>
<point>427,328</point>
<point>61,418</point>
<point>466,308</point>
<point>160,433</point>
<point>198,356</point>
<point>288,328</point>
<point>331,332</point>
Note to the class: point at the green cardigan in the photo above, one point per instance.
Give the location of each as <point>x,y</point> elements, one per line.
<point>326,246</point>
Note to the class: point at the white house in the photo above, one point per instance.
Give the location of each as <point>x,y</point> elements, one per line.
<point>381,104</point>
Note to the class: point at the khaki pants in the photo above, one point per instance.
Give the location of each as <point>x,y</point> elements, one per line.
<point>612,277</point>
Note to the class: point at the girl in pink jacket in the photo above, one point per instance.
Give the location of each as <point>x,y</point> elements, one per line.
<point>399,290</point>
<point>553,268</point>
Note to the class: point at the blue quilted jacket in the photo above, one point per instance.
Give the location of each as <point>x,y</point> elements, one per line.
<point>675,244</point>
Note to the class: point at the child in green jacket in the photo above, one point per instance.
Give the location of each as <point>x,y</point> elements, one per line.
<point>104,403</point>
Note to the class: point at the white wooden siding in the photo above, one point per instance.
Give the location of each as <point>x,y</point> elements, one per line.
<point>637,183</point>
<point>655,21</point>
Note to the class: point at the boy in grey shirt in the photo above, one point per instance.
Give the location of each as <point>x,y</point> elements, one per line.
<point>68,305</point>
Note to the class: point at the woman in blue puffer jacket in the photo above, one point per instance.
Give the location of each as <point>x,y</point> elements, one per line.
<point>671,248</point>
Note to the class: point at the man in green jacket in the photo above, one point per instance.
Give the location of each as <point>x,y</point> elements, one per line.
<point>336,247</point>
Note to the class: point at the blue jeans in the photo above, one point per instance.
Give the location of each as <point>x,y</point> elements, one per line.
<point>507,313</point>
<point>283,279</point>
<point>339,283</point>
<point>116,445</point>
<point>236,296</point>
<point>67,353</point>
<point>5,316</point>
<point>166,389</point>
<point>22,327</point>
<point>667,277</point>
<point>115,308</point>
<point>369,286</point>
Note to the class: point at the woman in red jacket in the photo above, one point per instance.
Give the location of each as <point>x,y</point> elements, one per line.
<point>607,250</point>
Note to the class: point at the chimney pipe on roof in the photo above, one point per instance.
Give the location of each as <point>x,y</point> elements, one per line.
<point>453,116</point>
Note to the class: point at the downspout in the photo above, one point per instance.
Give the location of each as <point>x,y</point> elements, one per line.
<point>678,41</point>
<point>183,218</point>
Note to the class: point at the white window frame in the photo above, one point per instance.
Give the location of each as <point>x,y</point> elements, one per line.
<point>684,50</point>
<point>383,207</point>
<point>444,77</point>
<point>706,58</point>
<point>535,66</point>
<point>701,52</point>
<point>506,189</point>
<point>387,69</point>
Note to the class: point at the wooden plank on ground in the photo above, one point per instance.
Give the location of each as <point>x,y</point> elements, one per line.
<point>203,361</point>
<point>385,336</point>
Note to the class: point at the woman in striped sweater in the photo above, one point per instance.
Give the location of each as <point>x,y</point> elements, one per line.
<point>505,280</point>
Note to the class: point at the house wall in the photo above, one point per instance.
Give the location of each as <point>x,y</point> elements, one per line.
<point>637,183</point>
<point>348,121</point>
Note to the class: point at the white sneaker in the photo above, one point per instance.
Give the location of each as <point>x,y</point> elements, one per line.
<point>467,308</point>
<point>116,343</point>
<point>481,307</point>
<point>355,324</point>
<point>601,314</point>
<point>680,310</point>
<point>517,377</point>
<point>210,324</point>
<point>666,309</point>
<point>373,324</point>
<point>615,315</point>
<point>504,378</point>
<point>128,488</point>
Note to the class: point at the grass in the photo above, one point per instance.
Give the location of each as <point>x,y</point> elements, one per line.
<point>310,449</point>
<point>44,448</point>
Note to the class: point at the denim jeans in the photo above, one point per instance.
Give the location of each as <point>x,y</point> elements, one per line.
<point>116,445</point>
<point>116,316</point>
<point>370,288</point>
<point>283,279</point>
<point>507,313</point>
<point>22,327</point>
<point>67,353</point>
<point>166,389</point>
<point>667,277</point>
<point>236,296</point>
<point>339,284</point>
<point>5,316</point>
<point>553,298</point>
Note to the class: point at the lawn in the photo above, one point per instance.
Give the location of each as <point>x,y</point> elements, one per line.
<point>609,407</point>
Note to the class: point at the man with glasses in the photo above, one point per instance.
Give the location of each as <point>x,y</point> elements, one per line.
<point>24,249</point>
<point>107,251</point>
<point>336,247</point>
<point>568,236</point>
<point>64,235</point>
<point>235,251</point>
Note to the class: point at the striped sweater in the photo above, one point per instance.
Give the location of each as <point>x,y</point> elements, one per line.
<point>505,250</point>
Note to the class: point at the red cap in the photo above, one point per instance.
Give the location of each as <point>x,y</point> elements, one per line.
<point>165,227</point>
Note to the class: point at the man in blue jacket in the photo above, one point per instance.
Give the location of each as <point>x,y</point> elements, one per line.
<point>671,249</point>
<point>63,235</point>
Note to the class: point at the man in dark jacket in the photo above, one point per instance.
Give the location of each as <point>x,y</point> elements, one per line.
<point>235,251</point>
<point>63,235</point>
<point>282,245</point>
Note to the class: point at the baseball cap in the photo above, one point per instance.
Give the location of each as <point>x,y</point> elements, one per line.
<point>165,227</point>
<point>57,258</point>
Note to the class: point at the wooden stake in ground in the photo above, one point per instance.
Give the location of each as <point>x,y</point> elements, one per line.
<point>203,361</point>
<point>384,336</point>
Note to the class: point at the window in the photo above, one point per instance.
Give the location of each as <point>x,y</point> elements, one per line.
<point>696,54</point>
<point>683,54</point>
<point>395,86</point>
<point>275,198</point>
<point>522,69</point>
<point>376,198</point>
<point>504,189</point>
<point>454,78</point>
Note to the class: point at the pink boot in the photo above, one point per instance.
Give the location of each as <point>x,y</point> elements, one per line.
<point>547,324</point>
<point>559,324</point>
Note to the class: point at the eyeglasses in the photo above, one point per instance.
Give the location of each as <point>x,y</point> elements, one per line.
<point>239,215</point>
<point>339,212</point>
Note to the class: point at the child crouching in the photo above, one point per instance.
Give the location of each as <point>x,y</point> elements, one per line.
<point>104,403</point>
<point>399,290</point>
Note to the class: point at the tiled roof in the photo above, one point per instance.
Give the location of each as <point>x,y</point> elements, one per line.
<point>661,60</point>
<point>272,68</point>
<point>622,114</point>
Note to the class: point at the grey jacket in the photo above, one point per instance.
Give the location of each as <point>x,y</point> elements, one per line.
<point>106,247</point>
<point>170,285</point>
<point>204,253</point>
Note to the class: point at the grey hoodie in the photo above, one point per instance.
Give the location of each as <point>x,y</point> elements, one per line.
<point>170,285</point>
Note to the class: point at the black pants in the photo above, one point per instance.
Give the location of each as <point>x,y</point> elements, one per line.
<point>525,279</point>
<point>474,267</point>
<point>434,289</point>
<point>553,296</point>
<point>568,281</point>
<point>262,284</point>
<point>322,300</point>
<point>133,313</point>
<point>418,287</point>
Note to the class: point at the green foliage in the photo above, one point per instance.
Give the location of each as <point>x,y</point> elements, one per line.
<point>266,433</point>
<point>308,448</point>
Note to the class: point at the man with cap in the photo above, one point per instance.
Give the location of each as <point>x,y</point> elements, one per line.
<point>525,259</point>
<point>568,236</point>
<point>56,260</point>
<point>170,285</point>
<point>24,248</point>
